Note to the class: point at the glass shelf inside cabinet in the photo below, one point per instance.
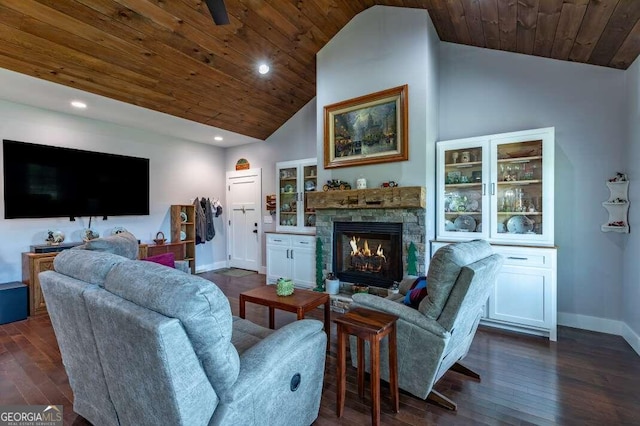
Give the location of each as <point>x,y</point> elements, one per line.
<point>463,190</point>
<point>519,188</point>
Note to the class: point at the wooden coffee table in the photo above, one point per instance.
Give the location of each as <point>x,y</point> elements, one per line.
<point>300,302</point>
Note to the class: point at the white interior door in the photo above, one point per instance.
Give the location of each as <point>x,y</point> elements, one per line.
<point>244,188</point>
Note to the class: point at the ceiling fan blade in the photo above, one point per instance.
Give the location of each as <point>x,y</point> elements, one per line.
<point>218,11</point>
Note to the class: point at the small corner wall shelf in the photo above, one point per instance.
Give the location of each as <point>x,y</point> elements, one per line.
<point>618,207</point>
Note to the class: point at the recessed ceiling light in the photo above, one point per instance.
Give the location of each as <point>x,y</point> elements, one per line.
<point>218,138</point>
<point>78,104</point>
<point>263,68</point>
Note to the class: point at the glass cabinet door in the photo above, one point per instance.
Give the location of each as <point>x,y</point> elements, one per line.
<point>288,199</point>
<point>310,177</point>
<point>294,180</point>
<point>523,176</point>
<point>463,203</point>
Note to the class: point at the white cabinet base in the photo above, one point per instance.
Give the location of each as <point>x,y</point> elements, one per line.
<point>291,256</point>
<point>524,297</point>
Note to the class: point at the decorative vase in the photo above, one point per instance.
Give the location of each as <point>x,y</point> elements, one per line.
<point>284,287</point>
<point>332,285</point>
<point>361,183</point>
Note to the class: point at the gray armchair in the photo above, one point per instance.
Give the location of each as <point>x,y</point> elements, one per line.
<point>434,337</point>
<point>144,344</point>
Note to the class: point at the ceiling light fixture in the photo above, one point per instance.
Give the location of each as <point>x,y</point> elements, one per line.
<point>263,68</point>
<point>218,138</point>
<point>78,104</point>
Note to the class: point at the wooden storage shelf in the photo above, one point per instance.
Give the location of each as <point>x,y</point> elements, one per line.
<point>376,198</point>
<point>187,226</point>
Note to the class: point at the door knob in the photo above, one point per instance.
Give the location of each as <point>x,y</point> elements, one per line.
<point>255,231</point>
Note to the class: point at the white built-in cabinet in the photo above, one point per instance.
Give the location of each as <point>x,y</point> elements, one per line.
<point>291,256</point>
<point>500,188</point>
<point>294,179</point>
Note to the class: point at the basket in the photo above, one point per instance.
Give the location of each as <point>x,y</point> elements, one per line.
<point>160,239</point>
<point>284,287</point>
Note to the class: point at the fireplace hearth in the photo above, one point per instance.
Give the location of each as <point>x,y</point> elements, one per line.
<point>368,252</point>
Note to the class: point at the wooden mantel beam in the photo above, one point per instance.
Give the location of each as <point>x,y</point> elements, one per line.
<point>375,198</point>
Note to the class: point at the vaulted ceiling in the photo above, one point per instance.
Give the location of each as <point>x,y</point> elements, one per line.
<point>169,56</point>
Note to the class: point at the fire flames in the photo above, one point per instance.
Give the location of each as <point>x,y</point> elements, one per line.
<point>363,259</point>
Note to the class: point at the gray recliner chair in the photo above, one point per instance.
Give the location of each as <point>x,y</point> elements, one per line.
<point>433,338</point>
<point>144,344</point>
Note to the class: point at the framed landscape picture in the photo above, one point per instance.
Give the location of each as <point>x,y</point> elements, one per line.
<point>367,130</point>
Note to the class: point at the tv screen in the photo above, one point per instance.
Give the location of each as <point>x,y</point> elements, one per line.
<point>46,181</point>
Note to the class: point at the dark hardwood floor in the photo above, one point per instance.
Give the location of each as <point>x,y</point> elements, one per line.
<point>585,378</point>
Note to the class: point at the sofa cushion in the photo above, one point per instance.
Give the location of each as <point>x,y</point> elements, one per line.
<point>84,265</point>
<point>166,259</point>
<point>124,244</point>
<point>199,304</point>
<point>444,269</point>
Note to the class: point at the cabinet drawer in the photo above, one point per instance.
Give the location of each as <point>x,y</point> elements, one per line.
<point>526,257</point>
<point>303,241</point>
<point>278,240</point>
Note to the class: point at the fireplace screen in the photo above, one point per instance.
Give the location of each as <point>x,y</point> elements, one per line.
<point>368,252</point>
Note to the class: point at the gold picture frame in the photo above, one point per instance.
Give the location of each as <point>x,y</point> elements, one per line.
<point>369,129</point>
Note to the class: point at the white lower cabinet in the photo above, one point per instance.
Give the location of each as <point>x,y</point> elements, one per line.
<point>524,297</point>
<point>291,256</point>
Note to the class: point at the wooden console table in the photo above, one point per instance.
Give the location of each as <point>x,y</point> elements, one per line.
<point>34,263</point>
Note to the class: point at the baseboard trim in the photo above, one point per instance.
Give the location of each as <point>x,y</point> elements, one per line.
<point>601,325</point>
<point>631,337</point>
<point>211,267</point>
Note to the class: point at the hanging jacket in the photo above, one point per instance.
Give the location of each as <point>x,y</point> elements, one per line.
<point>208,212</point>
<point>201,223</point>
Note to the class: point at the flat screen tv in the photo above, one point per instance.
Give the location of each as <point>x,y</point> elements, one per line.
<point>46,181</point>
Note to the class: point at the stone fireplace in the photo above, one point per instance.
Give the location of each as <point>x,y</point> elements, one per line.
<point>401,209</point>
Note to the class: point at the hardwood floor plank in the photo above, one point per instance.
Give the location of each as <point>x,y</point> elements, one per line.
<point>584,378</point>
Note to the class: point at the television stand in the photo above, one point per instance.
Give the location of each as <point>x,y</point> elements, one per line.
<point>53,248</point>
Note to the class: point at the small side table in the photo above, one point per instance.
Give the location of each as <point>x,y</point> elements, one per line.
<point>372,326</point>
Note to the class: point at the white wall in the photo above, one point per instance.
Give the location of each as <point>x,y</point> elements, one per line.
<point>485,91</point>
<point>179,172</point>
<point>381,48</point>
<point>294,140</point>
<point>631,274</point>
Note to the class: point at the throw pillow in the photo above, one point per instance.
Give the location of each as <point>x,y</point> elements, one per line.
<point>416,293</point>
<point>166,259</point>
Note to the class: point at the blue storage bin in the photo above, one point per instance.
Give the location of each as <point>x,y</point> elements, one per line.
<point>13,302</point>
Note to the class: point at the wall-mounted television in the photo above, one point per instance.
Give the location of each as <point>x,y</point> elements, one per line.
<point>46,181</point>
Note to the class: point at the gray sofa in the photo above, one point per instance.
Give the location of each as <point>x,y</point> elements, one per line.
<point>434,337</point>
<point>144,344</point>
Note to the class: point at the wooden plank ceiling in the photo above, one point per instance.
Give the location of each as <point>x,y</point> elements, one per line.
<point>169,56</point>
